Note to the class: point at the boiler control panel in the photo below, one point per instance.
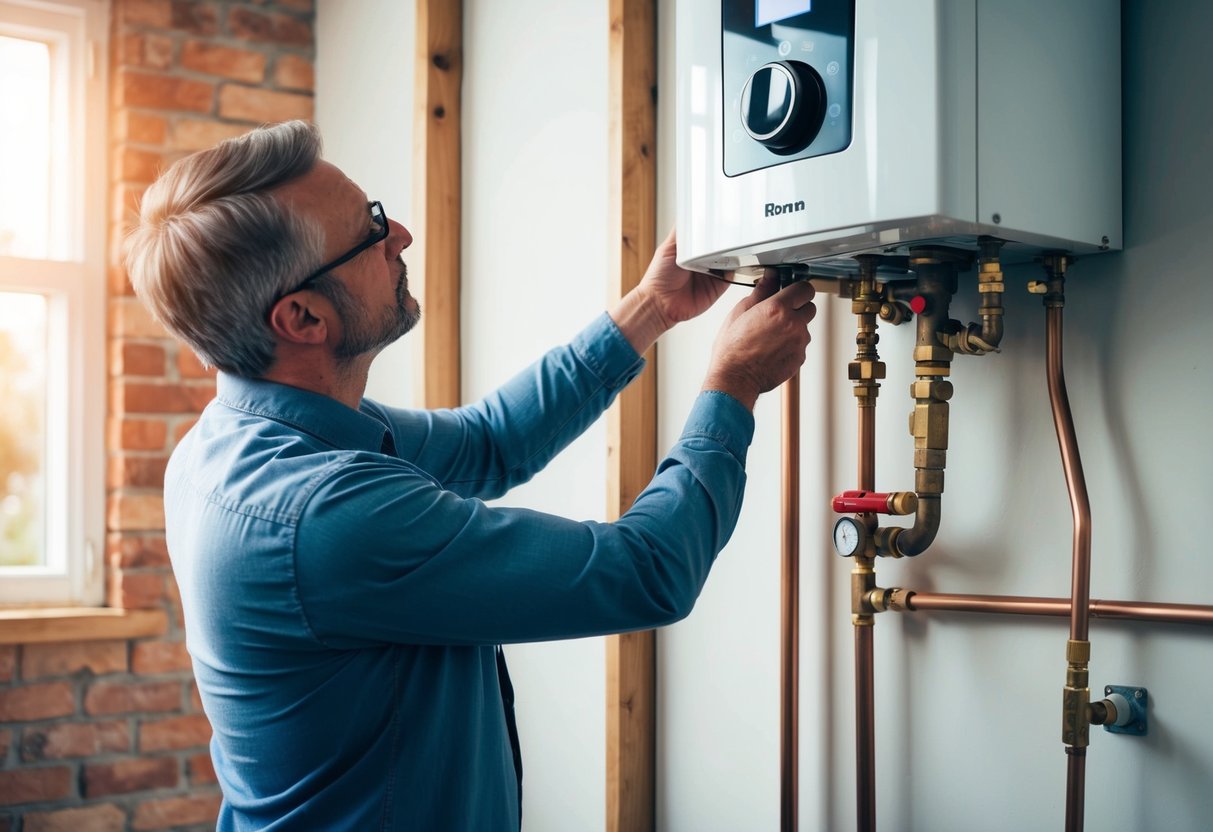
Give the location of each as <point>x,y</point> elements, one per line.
<point>787,80</point>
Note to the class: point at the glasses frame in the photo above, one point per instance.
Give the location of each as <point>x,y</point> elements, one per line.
<point>376,207</point>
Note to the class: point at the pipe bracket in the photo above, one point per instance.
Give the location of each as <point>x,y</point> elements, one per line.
<point>1138,724</point>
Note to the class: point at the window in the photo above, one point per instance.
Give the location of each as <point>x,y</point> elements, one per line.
<point>52,299</point>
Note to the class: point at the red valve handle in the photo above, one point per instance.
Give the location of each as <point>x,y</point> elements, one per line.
<point>873,502</point>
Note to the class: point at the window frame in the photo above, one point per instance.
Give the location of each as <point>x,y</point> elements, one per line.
<point>78,32</point>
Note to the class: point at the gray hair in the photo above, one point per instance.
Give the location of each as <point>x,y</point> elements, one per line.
<point>213,249</point>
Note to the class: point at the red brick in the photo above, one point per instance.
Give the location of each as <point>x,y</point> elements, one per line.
<point>195,18</point>
<point>128,358</point>
<point>117,280</point>
<point>140,128</point>
<point>195,697</point>
<point>151,657</point>
<point>135,590</point>
<point>190,366</point>
<point>182,429</point>
<point>200,134</point>
<point>225,61</point>
<point>8,662</point>
<point>269,28</point>
<point>31,702</point>
<point>258,105</point>
<point>171,812</point>
<point>136,552</point>
<point>175,733</point>
<point>297,5</point>
<point>202,770</point>
<point>133,165</point>
<point>295,73</point>
<point>156,13</point>
<point>125,470</point>
<point>130,697</point>
<point>6,737</point>
<point>34,785</point>
<point>144,50</point>
<point>137,434</point>
<point>125,776</point>
<point>39,661</point>
<point>157,92</point>
<point>134,512</point>
<point>105,817</point>
<point>160,397</point>
<point>74,739</point>
<point>125,198</point>
<point>129,318</point>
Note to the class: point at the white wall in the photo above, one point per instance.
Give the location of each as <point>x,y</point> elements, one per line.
<point>967,707</point>
<point>534,273</point>
<point>364,108</point>
<point>968,715</point>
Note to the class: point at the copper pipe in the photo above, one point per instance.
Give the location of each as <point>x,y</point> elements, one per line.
<point>1076,693</point>
<point>1060,607</point>
<point>790,604</point>
<point>865,730</point>
<point>1076,781</point>
<point>1080,506</point>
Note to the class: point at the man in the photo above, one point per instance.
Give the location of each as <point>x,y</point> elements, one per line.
<point>344,587</point>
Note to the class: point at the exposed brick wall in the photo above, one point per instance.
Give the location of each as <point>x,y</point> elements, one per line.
<point>110,735</point>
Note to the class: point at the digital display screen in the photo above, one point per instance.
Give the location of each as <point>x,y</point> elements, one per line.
<point>770,11</point>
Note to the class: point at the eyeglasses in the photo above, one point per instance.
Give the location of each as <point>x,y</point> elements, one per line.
<point>379,231</point>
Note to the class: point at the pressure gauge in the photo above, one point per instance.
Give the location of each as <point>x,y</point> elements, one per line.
<point>850,536</point>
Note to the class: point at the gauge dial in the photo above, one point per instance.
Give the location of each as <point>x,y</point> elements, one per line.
<point>850,536</point>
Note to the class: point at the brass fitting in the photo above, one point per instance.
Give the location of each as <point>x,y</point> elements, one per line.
<point>1076,696</point>
<point>984,337</point>
<point>1053,288</point>
<point>894,598</point>
<point>895,312</point>
<point>863,582</point>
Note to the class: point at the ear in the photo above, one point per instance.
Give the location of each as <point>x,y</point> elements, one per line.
<point>301,318</point>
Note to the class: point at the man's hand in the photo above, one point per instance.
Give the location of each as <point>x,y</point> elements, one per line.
<point>763,341</point>
<point>666,295</point>
<point>677,294</point>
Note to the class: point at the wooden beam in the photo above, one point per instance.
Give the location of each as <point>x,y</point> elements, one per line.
<point>437,184</point>
<point>632,423</point>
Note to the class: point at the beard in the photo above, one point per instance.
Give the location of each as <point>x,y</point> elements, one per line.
<point>363,332</point>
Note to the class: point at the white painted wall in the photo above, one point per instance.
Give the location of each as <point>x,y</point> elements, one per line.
<point>364,108</point>
<point>967,707</point>
<point>534,273</point>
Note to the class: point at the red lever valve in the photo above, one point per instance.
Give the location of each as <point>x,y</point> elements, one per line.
<point>874,502</point>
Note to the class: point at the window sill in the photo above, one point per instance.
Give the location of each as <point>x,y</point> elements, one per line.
<point>29,626</point>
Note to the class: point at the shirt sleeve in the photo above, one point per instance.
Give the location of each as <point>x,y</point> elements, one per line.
<point>383,554</point>
<point>484,449</point>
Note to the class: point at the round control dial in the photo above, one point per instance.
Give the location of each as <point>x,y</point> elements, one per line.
<point>783,106</point>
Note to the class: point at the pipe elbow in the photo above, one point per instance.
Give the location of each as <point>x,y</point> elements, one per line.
<point>915,540</point>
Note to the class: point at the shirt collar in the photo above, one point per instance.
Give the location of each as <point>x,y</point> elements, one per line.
<point>325,418</point>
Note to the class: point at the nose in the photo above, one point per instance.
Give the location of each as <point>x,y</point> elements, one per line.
<point>398,238</point>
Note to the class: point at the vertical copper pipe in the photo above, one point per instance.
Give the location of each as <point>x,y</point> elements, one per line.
<point>1080,506</point>
<point>865,730</point>
<point>865,700</point>
<point>790,604</point>
<point>1076,777</point>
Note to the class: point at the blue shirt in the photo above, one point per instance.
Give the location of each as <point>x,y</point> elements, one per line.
<point>344,585</point>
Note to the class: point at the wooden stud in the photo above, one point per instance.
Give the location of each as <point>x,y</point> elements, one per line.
<point>632,422</point>
<point>437,183</point>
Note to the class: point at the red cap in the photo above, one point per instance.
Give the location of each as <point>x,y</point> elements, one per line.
<point>918,303</point>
